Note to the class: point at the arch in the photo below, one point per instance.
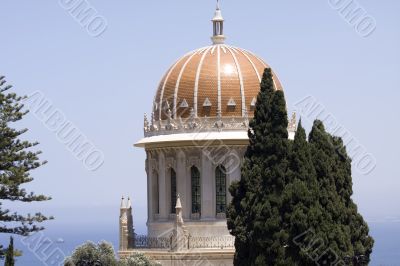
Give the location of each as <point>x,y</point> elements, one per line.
<point>196,189</point>
<point>173,189</point>
<point>220,189</point>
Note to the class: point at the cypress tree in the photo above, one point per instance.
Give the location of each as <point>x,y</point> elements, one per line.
<point>292,205</point>
<point>17,160</point>
<point>10,254</point>
<point>361,241</point>
<point>254,216</point>
<point>300,208</point>
<point>331,230</point>
<point>342,228</point>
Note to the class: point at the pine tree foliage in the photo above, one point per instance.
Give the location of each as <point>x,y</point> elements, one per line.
<point>10,254</point>
<point>17,160</point>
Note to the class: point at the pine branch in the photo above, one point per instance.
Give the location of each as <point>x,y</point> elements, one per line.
<point>17,160</point>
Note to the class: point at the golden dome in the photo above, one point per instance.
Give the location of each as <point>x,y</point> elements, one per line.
<point>213,80</point>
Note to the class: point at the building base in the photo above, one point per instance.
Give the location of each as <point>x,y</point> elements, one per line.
<point>194,257</point>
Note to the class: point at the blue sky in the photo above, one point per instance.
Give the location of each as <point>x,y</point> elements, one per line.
<point>105,84</point>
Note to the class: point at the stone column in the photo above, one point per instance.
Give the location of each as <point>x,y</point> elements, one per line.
<point>123,227</point>
<point>151,176</point>
<point>181,181</point>
<point>162,187</point>
<point>148,171</point>
<point>126,230</point>
<point>187,212</point>
<point>207,188</point>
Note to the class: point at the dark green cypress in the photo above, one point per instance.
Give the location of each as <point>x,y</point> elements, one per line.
<point>292,205</point>
<point>361,241</point>
<point>342,228</point>
<point>9,261</point>
<point>254,214</point>
<point>330,230</point>
<point>300,199</point>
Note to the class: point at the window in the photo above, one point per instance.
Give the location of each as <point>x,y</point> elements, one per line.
<point>173,190</point>
<point>196,193</point>
<point>220,189</point>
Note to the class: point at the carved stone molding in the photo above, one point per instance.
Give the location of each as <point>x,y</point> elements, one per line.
<point>194,124</point>
<point>153,164</point>
<point>170,162</point>
<point>193,161</point>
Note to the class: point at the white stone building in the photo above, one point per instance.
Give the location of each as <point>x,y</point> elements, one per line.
<point>195,142</point>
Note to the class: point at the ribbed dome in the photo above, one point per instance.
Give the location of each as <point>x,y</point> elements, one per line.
<point>213,78</point>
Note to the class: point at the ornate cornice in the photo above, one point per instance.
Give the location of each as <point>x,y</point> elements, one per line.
<point>204,124</point>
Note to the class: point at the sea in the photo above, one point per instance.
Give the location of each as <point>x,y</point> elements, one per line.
<point>57,243</point>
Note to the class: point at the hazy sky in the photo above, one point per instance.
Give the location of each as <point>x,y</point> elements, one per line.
<point>105,84</point>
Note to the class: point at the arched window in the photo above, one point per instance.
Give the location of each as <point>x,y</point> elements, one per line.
<point>173,190</point>
<point>156,202</point>
<point>220,189</point>
<point>196,190</point>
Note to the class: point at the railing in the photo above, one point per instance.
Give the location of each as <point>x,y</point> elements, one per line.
<point>193,242</point>
<point>144,242</point>
<point>219,242</point>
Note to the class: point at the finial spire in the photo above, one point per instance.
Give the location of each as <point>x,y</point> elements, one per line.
<point>178,205</point>
<point>129,204</point>
<point>218,26</point>
<point>122,202</point>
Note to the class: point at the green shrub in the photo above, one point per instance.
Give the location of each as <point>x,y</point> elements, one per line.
<point>90,254</point>
<point>137,259</point>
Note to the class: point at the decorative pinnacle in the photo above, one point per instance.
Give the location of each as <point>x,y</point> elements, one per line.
<point>218,26</point>
<point>293,122</point>
<point>122,203</point>
<point>178,202</point>
<point>146,123</point>
<point>218,14</point>
<point>129,205</point>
